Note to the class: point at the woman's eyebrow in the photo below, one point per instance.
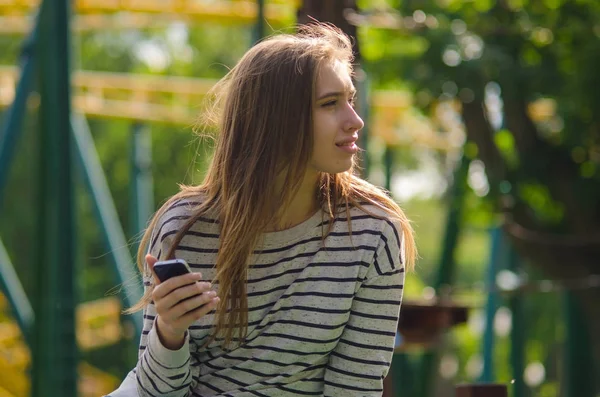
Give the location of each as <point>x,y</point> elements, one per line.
<point>351,91</point>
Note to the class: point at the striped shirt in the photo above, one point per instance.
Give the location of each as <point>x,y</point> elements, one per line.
<point>322,314</point>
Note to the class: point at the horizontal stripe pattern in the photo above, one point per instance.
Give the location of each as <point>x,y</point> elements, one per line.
<point>322,313</point>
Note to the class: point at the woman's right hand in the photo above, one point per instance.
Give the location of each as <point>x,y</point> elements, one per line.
<point>179,301</point>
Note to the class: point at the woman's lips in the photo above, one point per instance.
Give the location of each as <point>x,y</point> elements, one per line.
<point>348,147</point>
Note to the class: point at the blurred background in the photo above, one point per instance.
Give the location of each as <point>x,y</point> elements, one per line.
<point>482,120</point>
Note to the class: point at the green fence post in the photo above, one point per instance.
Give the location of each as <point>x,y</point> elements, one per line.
<point>55,353</point>
<point>487,374</point>
<point>141,204</point>
<point>518,331</point>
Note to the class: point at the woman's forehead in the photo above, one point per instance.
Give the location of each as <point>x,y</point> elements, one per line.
<point>334,77</point>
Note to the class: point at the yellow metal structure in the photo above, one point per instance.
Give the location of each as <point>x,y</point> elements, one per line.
<point>21,24</point>
<point>177,100</point>
<point>223,12</point>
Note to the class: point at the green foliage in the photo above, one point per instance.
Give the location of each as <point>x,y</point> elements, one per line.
<point>506,144</point>
<point>547,49</point>
<point>539,199</point>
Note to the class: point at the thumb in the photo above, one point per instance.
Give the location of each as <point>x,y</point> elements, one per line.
<point>150,260</point>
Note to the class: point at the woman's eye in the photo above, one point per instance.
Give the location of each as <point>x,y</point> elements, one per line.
<point>330,103</point>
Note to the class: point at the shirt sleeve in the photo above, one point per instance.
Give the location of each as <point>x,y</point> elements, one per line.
<point>362,357</point>
<point>160,371</point>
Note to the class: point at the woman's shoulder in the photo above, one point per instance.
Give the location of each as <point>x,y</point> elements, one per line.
<point>372,209</point>
<point>174,216</point>
<point>371,212</point>
<point>179,208</point>
<point>177,211</point>
<point>383,221</point>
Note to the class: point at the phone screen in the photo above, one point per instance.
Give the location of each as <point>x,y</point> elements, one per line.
<point>166,269</point>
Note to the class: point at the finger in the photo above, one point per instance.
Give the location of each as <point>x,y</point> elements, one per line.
<point>188,318</point>
<point>165,288</point>
<point>185,293</point>
<point>150,260</point>
<point>173,315</point>
<point>184,306</point>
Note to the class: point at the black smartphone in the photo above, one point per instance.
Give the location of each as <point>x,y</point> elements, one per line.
<point>166,269</point>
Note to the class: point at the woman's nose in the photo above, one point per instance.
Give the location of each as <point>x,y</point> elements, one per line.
<point>353,121</point>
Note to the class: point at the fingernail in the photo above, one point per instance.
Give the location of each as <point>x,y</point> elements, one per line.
<point>211,293</point>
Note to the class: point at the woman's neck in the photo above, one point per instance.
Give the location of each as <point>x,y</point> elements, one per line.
<point>301,207</point>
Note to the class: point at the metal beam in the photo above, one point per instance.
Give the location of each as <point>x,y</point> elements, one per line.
<point>235,12</point>
<point>12,288</point>
<point>259,25</point>
<point>55,353</point>
<point>21,24</point>
<point>175,100</point>
<point>106,214</point>
<point>518,331</point>
<point>142,193</point>
<point>13,121</point>
<point>497,248</point>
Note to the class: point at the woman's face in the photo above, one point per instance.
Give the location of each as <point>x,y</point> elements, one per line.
<point>335,122</point>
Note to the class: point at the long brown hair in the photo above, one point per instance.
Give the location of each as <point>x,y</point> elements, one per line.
<point>264,123</point>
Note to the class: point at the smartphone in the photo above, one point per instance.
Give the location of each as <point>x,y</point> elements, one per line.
<point>175,267</point>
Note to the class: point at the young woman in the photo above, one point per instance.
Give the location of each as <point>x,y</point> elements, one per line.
<point>298,264</point>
